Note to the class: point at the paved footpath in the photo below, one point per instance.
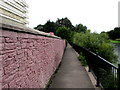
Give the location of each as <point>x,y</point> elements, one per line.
<point>71,73</point>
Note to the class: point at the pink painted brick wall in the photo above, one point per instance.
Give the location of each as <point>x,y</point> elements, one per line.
<point>28,61</point>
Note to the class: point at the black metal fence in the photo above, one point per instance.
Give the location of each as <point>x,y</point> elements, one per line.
<point>106,74</point>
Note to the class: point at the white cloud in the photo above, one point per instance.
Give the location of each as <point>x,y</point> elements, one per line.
<point>97,15</point>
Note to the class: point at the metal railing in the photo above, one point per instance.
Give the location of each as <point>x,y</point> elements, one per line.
<point>106,74</point>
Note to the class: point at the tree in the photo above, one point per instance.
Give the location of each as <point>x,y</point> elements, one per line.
<point>40,27</point>
<point>81,28</point>
<point>65,22</point>
<point>48,27</point>
<point>114,34</point>
<point>53,26</point>
<point>63,32</point>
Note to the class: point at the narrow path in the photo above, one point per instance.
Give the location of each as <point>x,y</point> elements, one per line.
<point>71,73</point>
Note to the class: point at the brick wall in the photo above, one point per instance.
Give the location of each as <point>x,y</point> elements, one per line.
<point>27,60</point>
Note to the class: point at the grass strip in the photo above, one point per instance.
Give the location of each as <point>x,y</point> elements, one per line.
<point>115,41</point>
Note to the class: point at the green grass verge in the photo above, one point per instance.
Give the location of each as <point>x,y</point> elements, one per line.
<point>114,41</point>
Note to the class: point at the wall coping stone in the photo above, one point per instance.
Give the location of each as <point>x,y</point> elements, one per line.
<point>25,29</point>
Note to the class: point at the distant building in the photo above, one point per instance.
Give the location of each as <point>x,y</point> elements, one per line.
<point>13,12</point>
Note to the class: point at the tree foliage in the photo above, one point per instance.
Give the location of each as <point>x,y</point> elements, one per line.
<point>114,34</point>
<point>40,27</point>
<point>63,32</point>
<point>80,28</point>
<point>47,27</point>
<point>51,26</point>
<point>98,43</point>
<point>65,22</point>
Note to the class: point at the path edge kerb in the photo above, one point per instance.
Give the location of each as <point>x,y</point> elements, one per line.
<point>90,75</point>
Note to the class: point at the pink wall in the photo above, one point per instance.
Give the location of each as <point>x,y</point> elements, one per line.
<point>26,60</point>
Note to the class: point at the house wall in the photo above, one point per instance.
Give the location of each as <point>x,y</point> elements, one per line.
<point>15,10</point>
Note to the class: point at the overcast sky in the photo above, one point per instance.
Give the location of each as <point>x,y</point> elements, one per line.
<point>97,15</point>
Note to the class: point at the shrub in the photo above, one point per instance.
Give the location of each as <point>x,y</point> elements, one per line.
<point>81,57</point>
<point>97,43</point>
<point>64,33</point>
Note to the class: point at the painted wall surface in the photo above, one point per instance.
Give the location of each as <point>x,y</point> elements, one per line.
<point>26,60</point>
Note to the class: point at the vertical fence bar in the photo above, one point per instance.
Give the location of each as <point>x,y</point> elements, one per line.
<point>97,72</point>
<point>89,67</point>
<point>98,83</point>
<point>118,76</point>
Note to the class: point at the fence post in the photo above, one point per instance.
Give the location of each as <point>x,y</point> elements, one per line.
<point>98,83</point>
<point>89,68</point>
<point>89,65</point>
<point>98,76</point>
<point>118,76</point>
